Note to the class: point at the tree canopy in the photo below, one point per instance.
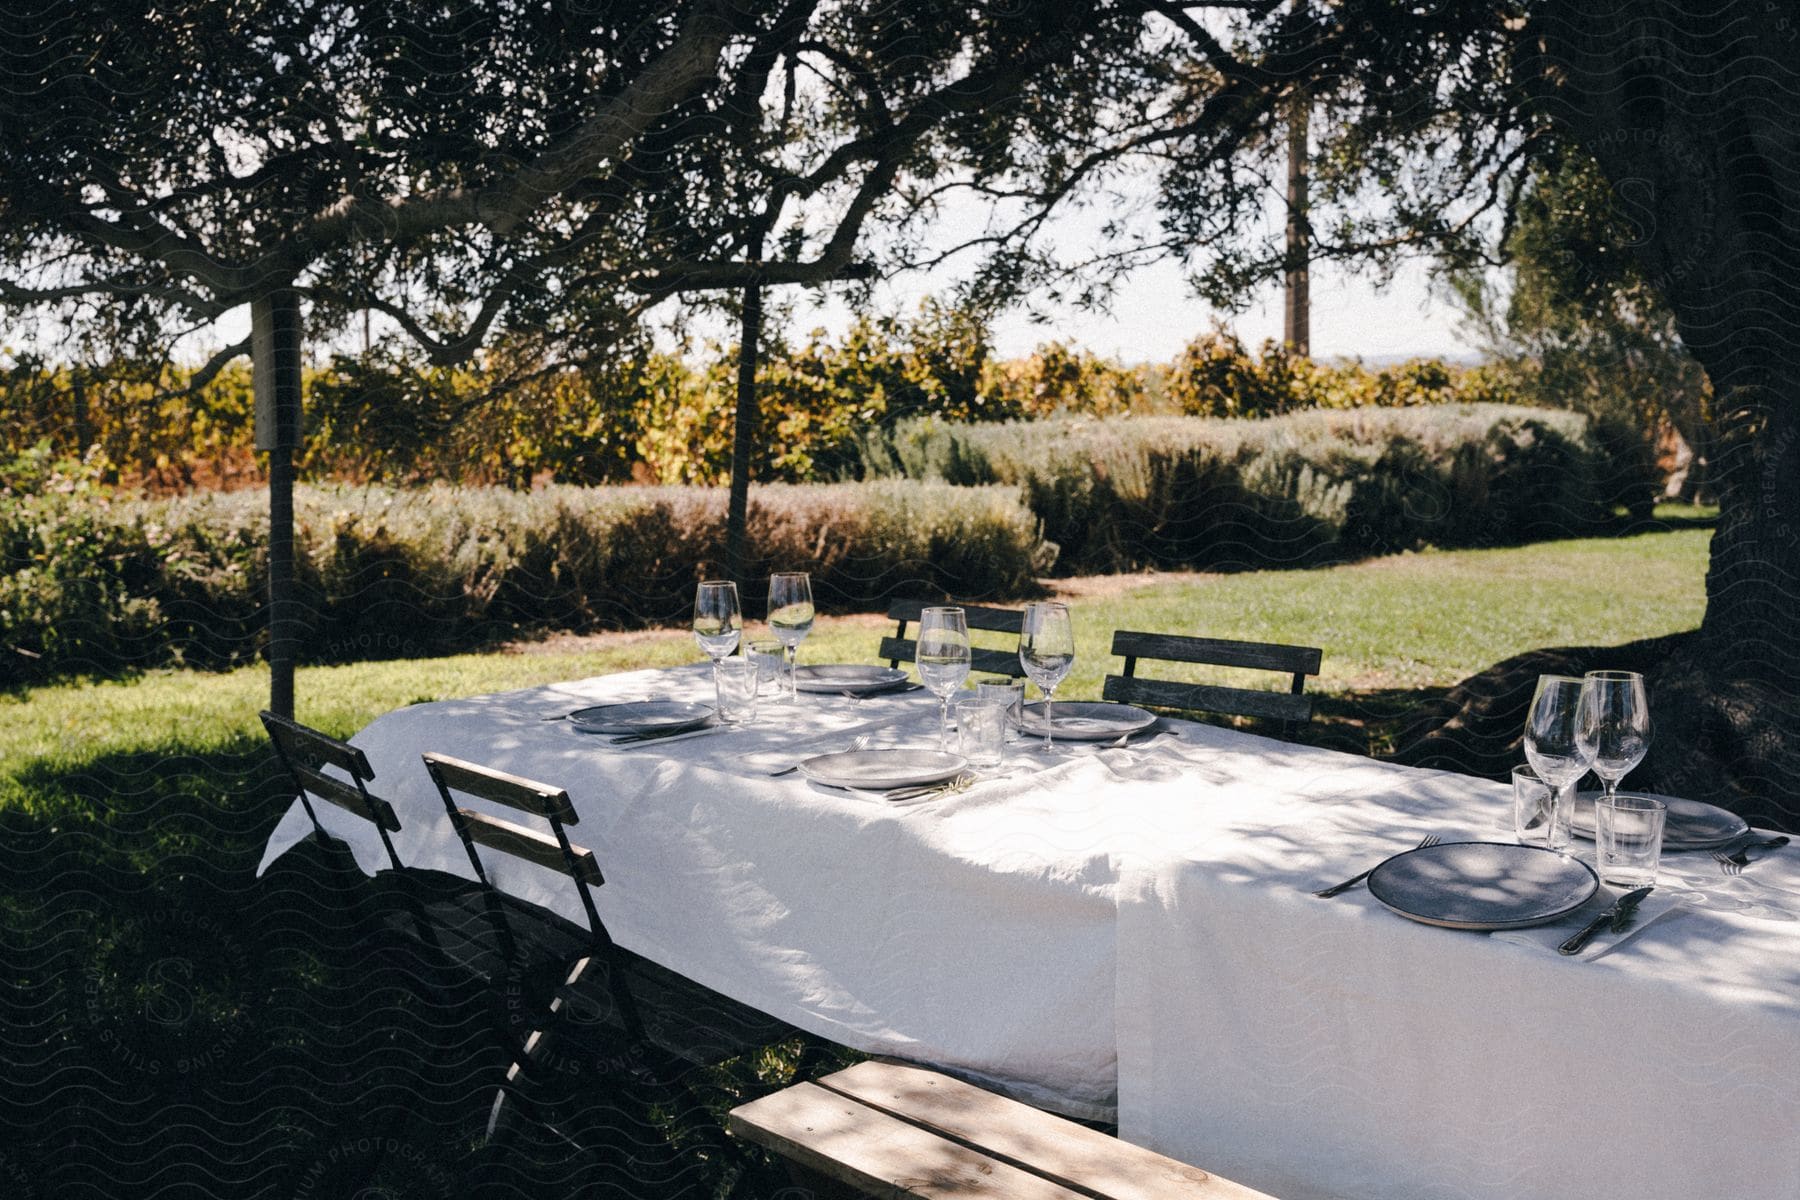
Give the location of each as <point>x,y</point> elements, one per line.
<point>547,172</point>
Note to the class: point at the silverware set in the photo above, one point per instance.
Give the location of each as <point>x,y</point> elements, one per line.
<point>948,787</point>
<point>1430,839</point>
<point>1733,861</point>
<point>1619,916</point>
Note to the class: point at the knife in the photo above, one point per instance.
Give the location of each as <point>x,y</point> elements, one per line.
<point>661,735</point>
<point>1619,915</point>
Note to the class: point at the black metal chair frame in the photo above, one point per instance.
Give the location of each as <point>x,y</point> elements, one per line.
<point>296,743</point>
<point>900,648</point>
<point>643,1055</point>
<point>1289,708</point>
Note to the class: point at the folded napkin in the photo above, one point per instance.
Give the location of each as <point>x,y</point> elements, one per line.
<point>1655,906</point>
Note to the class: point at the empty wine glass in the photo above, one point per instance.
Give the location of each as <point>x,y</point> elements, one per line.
<point>942,656</point>
<point>1558,748</point>
<point>1046,651</point>
<point>718,621</point>
<point>790,619</point>
<point>1615,717</point>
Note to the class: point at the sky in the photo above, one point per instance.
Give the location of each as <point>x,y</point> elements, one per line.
<point>1153,316</point>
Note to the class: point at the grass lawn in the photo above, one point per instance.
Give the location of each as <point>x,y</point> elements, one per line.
<point>1404,622</point>
<point>147,983</point>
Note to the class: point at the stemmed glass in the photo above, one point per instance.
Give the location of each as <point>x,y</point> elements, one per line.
<point>1615,717</point>
<point>718,621</point>
<point>790,619</point>
<point>1046,651</point>
<point>1559,748</point>
<point>942,656</point>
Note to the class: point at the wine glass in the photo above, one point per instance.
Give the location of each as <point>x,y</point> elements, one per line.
<point>718,622</point>
<point>790,618</point>
<point>942,656</point>
<point>1615,716</point>
<point>1046,651</point>
<point>1559,748</point>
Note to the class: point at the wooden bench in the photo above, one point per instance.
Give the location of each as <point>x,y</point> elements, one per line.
<point>891,1130</point>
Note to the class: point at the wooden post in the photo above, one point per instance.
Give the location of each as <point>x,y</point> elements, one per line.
<point>275,353</point>
<point>743,435</point>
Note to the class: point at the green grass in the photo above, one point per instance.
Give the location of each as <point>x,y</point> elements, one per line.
<point>1408,621</point>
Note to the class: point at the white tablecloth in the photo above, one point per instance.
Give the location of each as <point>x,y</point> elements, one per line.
<point>1133,926</point>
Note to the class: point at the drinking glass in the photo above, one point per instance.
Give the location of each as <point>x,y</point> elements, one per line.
<point>942,656</point>
<point>1534,802</point>
<point>981,729</point>
<point>734,681</point>
<point>1046,651</point>
<point>718,622</point>
<point>1008,693</point>
<point>1628,834</point>
<point>1558,748</point>
<point>767,654</point>
<point>790,619</point>
<point>1615,716</point>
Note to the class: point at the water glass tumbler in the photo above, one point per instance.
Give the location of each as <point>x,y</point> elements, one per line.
<point>981,730</point>
<point>769,656</point>
<point>1009,694</point>
<point>1534,801</point>
<point>735,680</point>
<point>1628,835</point>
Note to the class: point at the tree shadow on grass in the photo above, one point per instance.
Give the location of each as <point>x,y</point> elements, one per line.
<point>171,1023</point>
<point>1729,743</point>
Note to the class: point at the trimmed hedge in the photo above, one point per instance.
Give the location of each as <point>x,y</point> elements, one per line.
<point>94,583</point>
<point>1302,489</point>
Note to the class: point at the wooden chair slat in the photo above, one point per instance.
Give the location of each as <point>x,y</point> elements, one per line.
<point>1202,697</point>
<point>335,791</point>
<point>1222,652</point>
<point>304,746</point>
<point>1069,1154</point>
<point>499,787</point>
<point>994,662</point>
<point>979,616</point>
<point>529,844</point>
<point>877,1154</point>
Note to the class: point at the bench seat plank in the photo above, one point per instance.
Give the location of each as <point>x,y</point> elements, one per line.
<point>878,1154</point>
<point>1067,1153</point>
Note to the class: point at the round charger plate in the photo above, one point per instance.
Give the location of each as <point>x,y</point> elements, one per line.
<point>1483,885</point>
<point>1690,824</point>
<point>878,770</point>
<point>641,716</point>
<point>846,677</point>
<point>1086,720</point>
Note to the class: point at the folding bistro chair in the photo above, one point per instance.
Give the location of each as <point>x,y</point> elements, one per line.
<point>429,928</point>
<point>305,753</point>
<point>616,1016</point>
<point>1289,707</point>
<point>900,648</point>
<point>369,905</point>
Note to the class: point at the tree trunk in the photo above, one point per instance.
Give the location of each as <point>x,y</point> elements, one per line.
<point>743,440</point>
<point>275,352</point>
<point>1688,110</point>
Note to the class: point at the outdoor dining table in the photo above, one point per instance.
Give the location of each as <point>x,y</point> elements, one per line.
<point>1128,933</point>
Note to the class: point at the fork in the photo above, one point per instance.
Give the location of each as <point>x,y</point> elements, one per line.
<point>856,743</point>
<point>1430,839</point>
<point>1733,863</point>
